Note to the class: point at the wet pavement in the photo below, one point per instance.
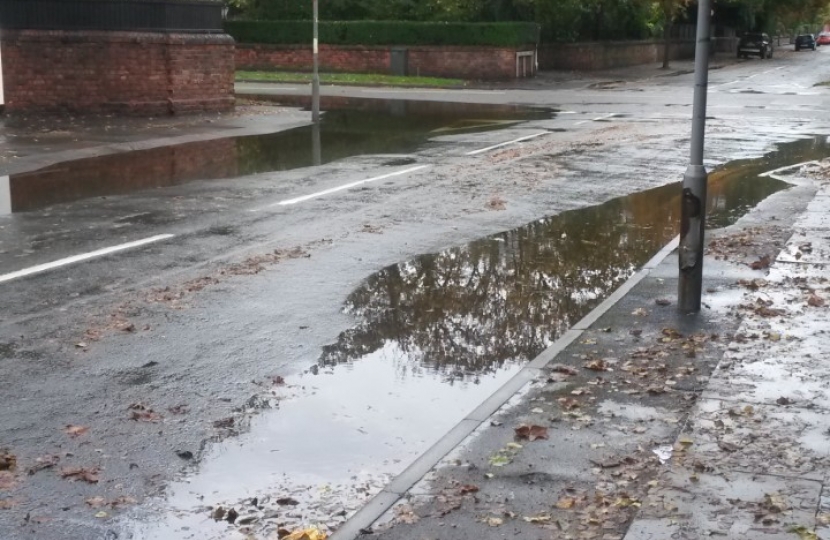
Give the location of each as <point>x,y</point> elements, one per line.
<point>222,356</point>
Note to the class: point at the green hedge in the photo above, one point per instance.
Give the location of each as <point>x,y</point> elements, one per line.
<point>385,33</point>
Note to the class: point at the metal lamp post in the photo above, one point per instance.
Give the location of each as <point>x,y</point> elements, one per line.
<point>693,205</point>
<point>315,77</point>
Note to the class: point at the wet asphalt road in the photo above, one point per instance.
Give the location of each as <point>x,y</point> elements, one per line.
<point>208,342</point>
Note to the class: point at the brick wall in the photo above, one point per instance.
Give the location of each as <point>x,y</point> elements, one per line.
<point>605,55</point>
<point>141,73</point>
<point>477,63</point>
<point>124,172</point>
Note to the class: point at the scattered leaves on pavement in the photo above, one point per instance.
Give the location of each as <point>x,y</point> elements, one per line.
<point>312,533</point>
<point>762,263</point>
<point>8,461</point>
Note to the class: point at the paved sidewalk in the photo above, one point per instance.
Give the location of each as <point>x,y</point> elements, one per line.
<point>648,425</point>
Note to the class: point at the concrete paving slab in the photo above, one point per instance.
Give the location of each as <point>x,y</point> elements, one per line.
<point>733,506</point>
<point>779,439</point>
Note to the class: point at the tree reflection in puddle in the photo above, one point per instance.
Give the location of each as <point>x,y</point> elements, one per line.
<point>505,298</point>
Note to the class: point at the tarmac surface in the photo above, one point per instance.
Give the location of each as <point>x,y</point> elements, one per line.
<point>669,425</point>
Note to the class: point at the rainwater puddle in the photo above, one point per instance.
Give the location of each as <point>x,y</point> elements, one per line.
<point>348,128</point>
<point>436,335</point>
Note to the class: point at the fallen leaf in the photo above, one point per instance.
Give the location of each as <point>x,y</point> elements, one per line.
<point>640,312</point>
<point>468,488</point>
<point>562,368</point>
<point>96,502</point>
<point>80,473</point>
<point>224,422</point>
<point>495,521</point>
<point>75,431</point>
<point>537,519</point>
<point>804,533</point>
<point>7,480</point>
<point>663,302</point>
<point>784,401</point>
<point>101,514</point>
<point>231,516</point>
<point>761,263</point>
<point>568,403</point>
<point>6,504</point>
<point>8,461</point>
<point>500,460</point>
<point>531,433</point>
<point>287,501</point>
<point>815,301</point>
<point>565,503</point>
<point>44,462</point>
<point>142,413</point>
<point>597,364</point>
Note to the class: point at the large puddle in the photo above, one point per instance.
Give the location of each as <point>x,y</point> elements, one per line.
<point>349,128</point>
<point>436,335</point>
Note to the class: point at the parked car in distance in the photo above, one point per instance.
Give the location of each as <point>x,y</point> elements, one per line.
<point>805,41</point>
<point>755,43</point>
<point>823,39</point>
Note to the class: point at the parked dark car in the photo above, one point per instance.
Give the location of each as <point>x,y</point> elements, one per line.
<point>805,41</point>
<point>755,44</point>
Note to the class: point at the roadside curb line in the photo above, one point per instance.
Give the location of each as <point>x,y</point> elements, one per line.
<point>397,488</point>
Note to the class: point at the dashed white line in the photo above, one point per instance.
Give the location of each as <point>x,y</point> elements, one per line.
<point>82,257</point>
<point>597,119</point>
<point>520,139</point>
<point>345,186</point>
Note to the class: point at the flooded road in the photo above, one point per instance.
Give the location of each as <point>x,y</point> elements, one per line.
<point>436,336</point>
<point>348,128</point>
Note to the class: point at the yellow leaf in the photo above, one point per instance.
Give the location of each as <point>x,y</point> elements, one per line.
<point>804,533</point>
<point>565,503</point>
<point>312,533</point>
<point>686,441</point>
<point>494,521</point>
<point>537,519</point>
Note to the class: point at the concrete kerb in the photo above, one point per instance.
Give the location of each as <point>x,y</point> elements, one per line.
<point>397,488</point>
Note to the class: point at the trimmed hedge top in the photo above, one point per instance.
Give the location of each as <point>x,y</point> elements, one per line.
<point>505,34</point>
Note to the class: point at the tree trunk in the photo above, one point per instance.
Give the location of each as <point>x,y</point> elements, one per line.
<point>666,42</point>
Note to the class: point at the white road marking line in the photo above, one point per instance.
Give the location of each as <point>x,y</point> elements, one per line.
<point>345,186</point>
<point>520,139</point>
<point>774,173</point>
<point>429,90</point>
<point>597,119</point>
<point>82,257</point>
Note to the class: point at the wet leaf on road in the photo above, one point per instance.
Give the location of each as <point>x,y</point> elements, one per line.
<point>562,368</point>
<point>8,461</point>
<point>231,516</point>
<point>141,413</point>
<point>544,518</point>
<point>494,521</point>
<point>762,263</point>
<point>89,475</point>
<point>663,302</point>
<point>815,301</point>
<point>565,503</point>
<point>640,312</point>
<point>96,502</point>
<point>531,433</point>
<point>312,533</point>
<point>784,401</point>
<point>75,431</point>
<point>597,364</point>
<point>287,501</point>
<point>7,480</point>
<point>804,533</point>
<point>568,403</point>
<point>7,504</point>
<point>468,488</point>
<point>44,462</point>
<point>224,422</point>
